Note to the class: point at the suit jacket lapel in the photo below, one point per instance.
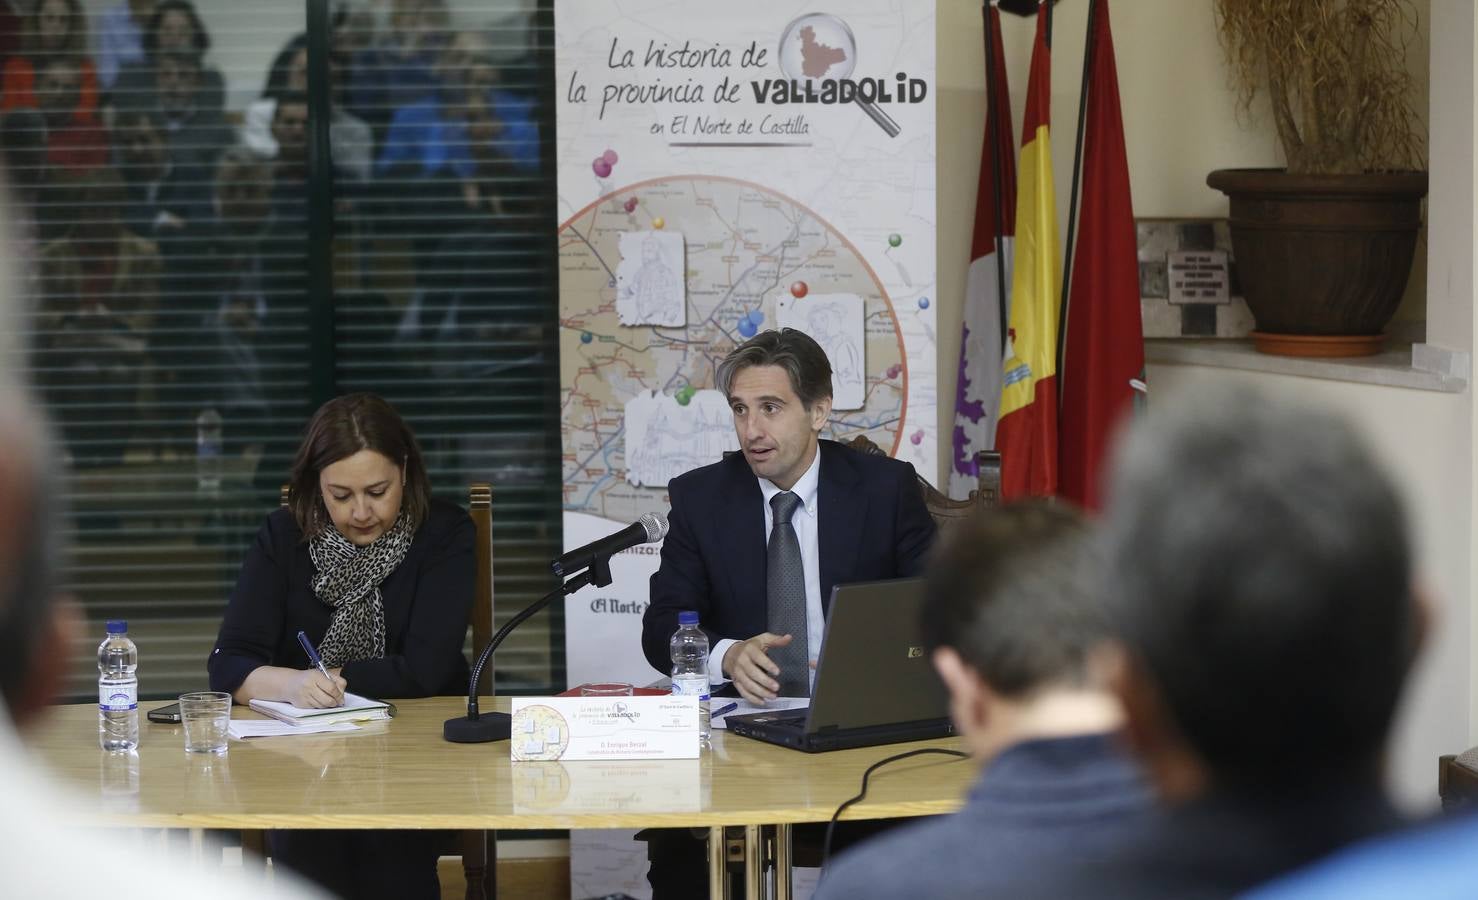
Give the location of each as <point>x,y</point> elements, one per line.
<point>842,512</point>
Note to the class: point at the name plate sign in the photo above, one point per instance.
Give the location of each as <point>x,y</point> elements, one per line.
<point>1199,276</point>
<point>579,728</point>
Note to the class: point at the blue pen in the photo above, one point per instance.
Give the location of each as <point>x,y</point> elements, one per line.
<point>313,656</point>
<point>723,710</point>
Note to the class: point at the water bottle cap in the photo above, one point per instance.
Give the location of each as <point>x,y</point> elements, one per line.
<point>687,617</point>
<point>117,626</point>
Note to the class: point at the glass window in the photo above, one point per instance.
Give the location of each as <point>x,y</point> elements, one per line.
<point>162,187</point>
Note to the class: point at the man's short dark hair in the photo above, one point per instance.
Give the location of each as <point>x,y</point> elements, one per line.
<point>794,351</point>
<point>1260,572</point>
<point>1015,591</point>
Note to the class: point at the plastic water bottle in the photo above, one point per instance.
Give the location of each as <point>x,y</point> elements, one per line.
<point>118,689</point>
<point>208,428</point>
<point>689,648</point>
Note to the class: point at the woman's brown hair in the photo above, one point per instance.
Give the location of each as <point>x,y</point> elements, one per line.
<point>341,428</point>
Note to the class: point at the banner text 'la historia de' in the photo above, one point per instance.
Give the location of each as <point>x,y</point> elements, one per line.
<point>729,89</point>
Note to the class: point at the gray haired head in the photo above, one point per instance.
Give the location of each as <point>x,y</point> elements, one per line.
<point>794,351</point>
<point>1260,572</point>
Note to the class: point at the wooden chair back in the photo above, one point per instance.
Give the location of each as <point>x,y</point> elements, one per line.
<point>947,511</point>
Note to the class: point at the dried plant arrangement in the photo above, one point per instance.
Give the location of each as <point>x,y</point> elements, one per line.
<point>1335,73</point>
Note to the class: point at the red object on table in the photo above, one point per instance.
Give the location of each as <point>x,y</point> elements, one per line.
<point>635,692</point>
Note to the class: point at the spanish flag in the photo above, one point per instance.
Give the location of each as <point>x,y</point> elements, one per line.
<point>1026,435</point>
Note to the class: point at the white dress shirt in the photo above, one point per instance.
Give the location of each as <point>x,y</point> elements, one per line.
<point>805,523</point>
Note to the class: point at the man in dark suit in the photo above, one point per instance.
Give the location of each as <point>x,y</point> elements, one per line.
<point>853,517</point>
<point>758,540</point>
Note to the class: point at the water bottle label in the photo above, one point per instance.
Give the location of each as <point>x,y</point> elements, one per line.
<point>690,686</point>
<point>118,697</point>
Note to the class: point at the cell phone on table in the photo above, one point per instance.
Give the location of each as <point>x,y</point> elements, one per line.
<point>166,714</point>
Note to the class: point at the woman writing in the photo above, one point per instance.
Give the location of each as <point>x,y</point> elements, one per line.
<point>379,576</point>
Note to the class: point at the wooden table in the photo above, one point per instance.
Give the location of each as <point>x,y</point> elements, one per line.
<point>401,774</point>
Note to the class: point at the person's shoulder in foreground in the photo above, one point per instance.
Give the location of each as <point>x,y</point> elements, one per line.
<point>1253,546</point>
<point>1013,622</point>
<point>1041,804</point>
<point>1433,863</point>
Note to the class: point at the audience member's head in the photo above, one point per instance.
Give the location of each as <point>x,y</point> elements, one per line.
<point>58,88</point>
<point>140,11</point>
<point>55,27</point>
<point>290,130</point>
<point>175,27</point>
<point>464,68</point>
<point>177,82</point>
<point>35,628</point>
<point>243,190</point>
<point>139,133</point>
<point>1013,619</point>
<point>289,71</point>
<point>416,26</point>
<point>1261,581</point>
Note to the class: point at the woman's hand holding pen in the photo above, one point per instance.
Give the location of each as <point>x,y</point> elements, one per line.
<point>312,689</point>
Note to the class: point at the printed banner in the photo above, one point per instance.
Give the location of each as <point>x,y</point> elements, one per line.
<point>725,169</point>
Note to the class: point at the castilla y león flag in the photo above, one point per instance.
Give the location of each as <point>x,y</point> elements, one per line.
<point>978,390</point>
<point>1104,358</point>
<point>1026,435</point>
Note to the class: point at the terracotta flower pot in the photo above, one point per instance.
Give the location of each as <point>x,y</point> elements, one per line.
<point>1323,259</point>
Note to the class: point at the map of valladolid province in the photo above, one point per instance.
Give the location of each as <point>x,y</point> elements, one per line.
<point>744,245</point>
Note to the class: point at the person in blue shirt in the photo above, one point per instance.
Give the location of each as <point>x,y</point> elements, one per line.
<point>1012,617</point>
<point>439,134</point>
<point>1435,862</point>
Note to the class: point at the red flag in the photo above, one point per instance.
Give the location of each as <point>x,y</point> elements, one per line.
<point>1105,341</point>
<point>978,389</point>
<point>1027,432</point>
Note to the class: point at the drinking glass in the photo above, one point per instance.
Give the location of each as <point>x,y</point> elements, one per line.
<point>207,716</point>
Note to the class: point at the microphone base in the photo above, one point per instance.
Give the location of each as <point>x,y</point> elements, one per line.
<point>487,727</point>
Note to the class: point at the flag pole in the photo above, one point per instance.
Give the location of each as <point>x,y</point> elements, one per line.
<point>993,135</point>
<point>1072,205</point>
<point>1048,37</point>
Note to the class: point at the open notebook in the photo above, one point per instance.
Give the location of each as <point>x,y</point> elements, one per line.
<point>355,709</point>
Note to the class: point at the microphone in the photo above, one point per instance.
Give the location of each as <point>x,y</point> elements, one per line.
<point>650,528</point>
<point>595,559</point>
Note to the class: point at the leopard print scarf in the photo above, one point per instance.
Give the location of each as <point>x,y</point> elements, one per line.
<point>348,580</point>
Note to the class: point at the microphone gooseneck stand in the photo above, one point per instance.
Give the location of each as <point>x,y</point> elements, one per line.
<point>479,728</point>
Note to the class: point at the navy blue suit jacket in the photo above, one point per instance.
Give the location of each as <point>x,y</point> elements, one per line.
<point>872,525</point>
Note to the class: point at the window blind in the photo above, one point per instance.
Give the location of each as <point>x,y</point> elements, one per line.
<point>162,190</point>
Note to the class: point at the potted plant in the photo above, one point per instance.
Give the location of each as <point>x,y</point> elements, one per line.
<point>1324,247</point>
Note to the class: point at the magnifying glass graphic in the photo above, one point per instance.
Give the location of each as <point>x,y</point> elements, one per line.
<point>817,46</point>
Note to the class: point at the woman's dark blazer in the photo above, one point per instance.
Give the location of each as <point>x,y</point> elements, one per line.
<point>428,599</point>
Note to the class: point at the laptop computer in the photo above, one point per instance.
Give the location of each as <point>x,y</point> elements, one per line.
<point>874,682</point>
